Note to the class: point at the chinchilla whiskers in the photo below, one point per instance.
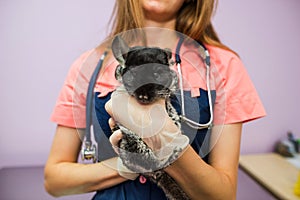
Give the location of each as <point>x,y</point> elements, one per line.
<point>163,93</point>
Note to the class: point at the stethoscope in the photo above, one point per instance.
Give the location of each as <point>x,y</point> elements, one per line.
<point>206,60</point>
<point>89,150</point>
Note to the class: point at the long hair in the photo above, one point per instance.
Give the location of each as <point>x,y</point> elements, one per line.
<point>193,20</point>
<point>127,15</point>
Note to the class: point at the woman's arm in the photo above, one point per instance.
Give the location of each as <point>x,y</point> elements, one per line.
<point>218,180</point>
<point>63,175</point>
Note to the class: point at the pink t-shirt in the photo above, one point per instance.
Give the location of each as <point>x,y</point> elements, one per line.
<point>236,96</point>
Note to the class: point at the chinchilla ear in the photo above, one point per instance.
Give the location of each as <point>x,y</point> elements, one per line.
<point>169,55</point>
<point>120,49</point>
<point>168,52</point>
<point>119,73</point>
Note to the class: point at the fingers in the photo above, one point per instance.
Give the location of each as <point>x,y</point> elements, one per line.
<point>112,123</point>
<point>108,107</point>
<point>115,138</point>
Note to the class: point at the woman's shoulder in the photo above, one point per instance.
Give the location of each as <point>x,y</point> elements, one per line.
<point>226,63</point>
<point>89,54</point>
<point>221,54</point>
<point>86,60</point>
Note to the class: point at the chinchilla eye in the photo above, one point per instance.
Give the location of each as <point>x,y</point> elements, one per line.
<point>128,77</point>
<point>156,75</point>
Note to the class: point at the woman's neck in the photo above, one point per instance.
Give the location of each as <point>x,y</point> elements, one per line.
<point>170,24</point>
<point>160,34</point>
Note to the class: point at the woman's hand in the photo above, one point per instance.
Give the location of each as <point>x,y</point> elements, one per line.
<point>145,120</point>
<point>150,123</point>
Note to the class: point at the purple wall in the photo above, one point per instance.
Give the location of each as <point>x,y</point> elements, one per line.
<point>266,36</point>
<point>40,39</point>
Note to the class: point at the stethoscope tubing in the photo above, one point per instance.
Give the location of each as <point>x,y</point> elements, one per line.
<point>207,62</point>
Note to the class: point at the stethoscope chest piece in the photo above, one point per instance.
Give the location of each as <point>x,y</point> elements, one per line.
<point>89,152</point>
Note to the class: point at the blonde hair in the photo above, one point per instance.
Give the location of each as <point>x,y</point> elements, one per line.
<point>193,20</point>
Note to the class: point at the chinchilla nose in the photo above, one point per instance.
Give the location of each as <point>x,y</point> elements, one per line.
<point>143,98</point>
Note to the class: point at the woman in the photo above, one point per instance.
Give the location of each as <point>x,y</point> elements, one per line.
<point>215,178</point>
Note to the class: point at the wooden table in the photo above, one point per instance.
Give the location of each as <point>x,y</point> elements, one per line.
<point>273,172</point>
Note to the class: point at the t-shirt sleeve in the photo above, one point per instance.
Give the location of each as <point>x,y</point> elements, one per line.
<point>69,109</point>
<point>239,101</point>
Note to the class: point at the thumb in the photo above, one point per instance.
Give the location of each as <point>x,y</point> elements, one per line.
<point>115,138</point>
<point>108,107</point>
